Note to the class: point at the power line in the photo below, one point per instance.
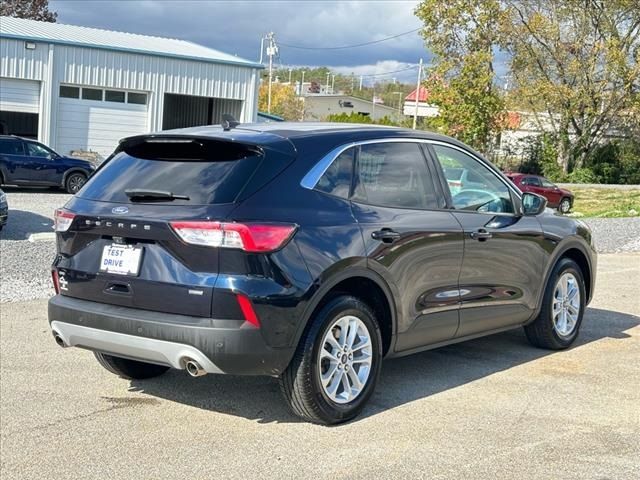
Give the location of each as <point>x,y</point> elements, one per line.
<point>350,46</point>
<point>413,67</point>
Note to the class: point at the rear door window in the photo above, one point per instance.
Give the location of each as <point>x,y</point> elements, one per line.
<point>336,180</point>
<point>11,147</point>
<point>214,174</point>
<point>394,175</point>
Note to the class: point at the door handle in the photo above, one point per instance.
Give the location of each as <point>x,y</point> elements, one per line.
<point>385,235</point>
<point>481,235</point>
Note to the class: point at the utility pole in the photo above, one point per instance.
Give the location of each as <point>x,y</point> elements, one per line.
<point>333,82</point>
<point>360,83</point>
<point>373,109</point>
<point>415,114</point>
<point>290,75</point>
<point>326,88</point>
<point>272,50</point>
<point>399,104</point>
<point>301,84</point>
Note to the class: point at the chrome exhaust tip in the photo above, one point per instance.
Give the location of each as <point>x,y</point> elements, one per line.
<point>194,368</point>
<point>59,340</point>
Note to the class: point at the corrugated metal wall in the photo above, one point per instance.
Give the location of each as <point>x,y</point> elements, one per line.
<point>128,71</point>
<point>16,61</point>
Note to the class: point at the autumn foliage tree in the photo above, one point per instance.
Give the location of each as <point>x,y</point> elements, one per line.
<point>284,101</point>
<point>31,9</point>
<point>575,64</point>
<point>461,79</point>
<point>580,61</point>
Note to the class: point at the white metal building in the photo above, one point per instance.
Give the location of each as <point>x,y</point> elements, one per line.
<point>83,88</point>
<point>319,107</point>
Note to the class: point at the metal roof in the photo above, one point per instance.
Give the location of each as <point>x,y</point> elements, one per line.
<point>59,33</point>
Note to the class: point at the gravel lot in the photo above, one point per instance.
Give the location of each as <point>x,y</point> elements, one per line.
<point>491,408</point>
<point>24,266</point>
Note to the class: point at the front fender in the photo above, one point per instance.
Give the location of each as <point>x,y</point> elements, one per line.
<point>562,249</point>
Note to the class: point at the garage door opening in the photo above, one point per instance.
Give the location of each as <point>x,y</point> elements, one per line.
<point>182,111</point>
<point>19,123</point>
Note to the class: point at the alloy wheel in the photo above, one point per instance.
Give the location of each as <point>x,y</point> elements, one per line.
<point>344,361</point>
<point>566,304</point>
<point>75,183</point>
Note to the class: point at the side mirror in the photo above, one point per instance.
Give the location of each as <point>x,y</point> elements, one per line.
<point>533,204</point>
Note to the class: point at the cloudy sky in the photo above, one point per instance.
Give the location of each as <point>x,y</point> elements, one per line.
<point>237,26</point>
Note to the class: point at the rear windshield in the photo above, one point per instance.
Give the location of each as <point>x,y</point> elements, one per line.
<point>217,179</point>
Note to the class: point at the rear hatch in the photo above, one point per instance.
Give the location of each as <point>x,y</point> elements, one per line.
<point>116,244</point>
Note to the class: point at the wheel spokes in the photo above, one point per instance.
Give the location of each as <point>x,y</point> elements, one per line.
<point>344,361</point>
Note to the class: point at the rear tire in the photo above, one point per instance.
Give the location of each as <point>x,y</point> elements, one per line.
<point>74,182</point>
<point>129,369</point>
<point>551,330</point>
<point>332,347</point>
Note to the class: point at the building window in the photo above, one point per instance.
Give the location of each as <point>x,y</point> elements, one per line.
<point>113,96</point>
<point>137,98</point>
<point>69,92</point>
<point>91,94</point>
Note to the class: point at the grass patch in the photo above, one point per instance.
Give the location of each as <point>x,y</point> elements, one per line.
<point>605,202</point>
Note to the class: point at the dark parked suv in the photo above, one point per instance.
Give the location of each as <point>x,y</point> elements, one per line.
<point>30,163</point>
<point>307,252</point>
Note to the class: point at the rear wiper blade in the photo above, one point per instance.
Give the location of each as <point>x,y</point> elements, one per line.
<point>138,193</point>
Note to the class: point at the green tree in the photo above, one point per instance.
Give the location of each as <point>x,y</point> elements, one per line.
<point>31,9</point>
<point>284,101</point>
<point>462,35</point>
<point>354,117</point>
<point>579,60</point>
<point>574,63</point>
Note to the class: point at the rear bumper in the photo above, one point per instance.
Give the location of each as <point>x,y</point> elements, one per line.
<point>220,346</point>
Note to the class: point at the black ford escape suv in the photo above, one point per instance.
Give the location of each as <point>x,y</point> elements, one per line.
<point>307,252</point>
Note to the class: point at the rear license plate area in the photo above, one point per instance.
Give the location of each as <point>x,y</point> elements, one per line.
<point>121,259</point>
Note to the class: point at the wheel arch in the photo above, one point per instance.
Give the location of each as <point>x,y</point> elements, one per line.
<point>576,251</point>
<point>366,285</point>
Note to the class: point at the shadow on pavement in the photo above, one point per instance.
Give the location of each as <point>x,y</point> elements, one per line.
<point>403,380</point>
<point>21,224</point>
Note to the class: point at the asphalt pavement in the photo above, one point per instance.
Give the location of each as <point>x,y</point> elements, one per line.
<point>489,408</point>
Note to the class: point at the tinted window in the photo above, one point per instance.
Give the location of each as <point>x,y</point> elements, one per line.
<point>11,147</point>
<point>336,180</point>
<point>479,189</point>
<point>393,175</point>
<point>113,96</point>
<point>218,179</point>
<point>69,92</point>
<point>36,150</point>
<point>91,94</point>
<point>533,181</point>
<point>546,183</point>
<point>139,98</point>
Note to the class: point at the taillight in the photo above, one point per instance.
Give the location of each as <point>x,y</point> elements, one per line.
<point>56,281</point>
<point>62,220</point>
<point>247,310</point>
<point>250,237</point>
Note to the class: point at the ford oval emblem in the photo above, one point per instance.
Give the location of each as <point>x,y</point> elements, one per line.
<point>120,210</point>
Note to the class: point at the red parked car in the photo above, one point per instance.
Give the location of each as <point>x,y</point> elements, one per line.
<point>556,197</point>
